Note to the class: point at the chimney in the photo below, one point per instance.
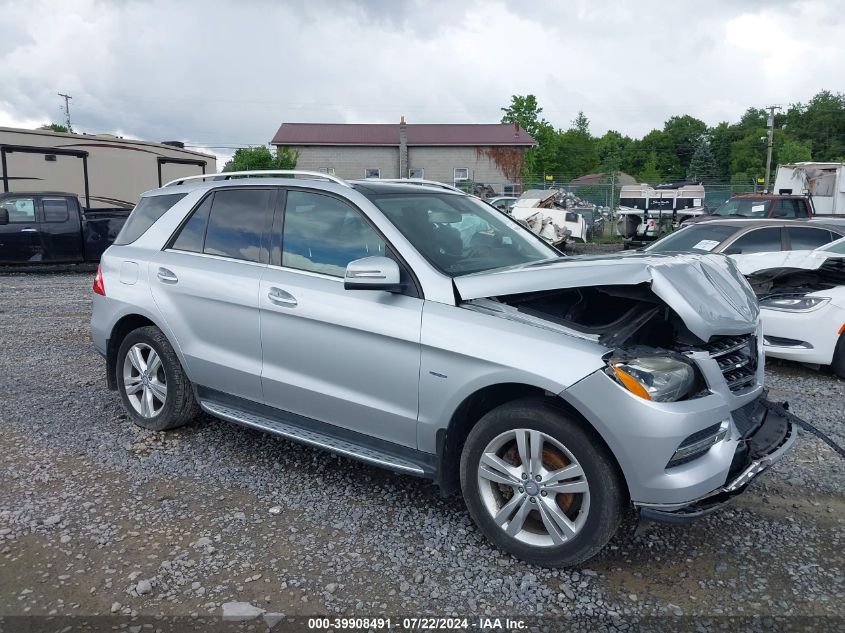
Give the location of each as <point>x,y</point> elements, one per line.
<point>403,148</point>
<point>515,129</point>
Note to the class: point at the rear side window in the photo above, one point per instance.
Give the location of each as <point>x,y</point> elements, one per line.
<point>757,241</point>
<point>236,223</point>
<point>805,238</point>
<point>145,214</point>
<point>55,209</point>
<point>191,236</point>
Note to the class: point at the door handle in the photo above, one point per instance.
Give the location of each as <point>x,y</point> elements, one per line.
<point>167,276</point>
<point>29,230</point>
<point>281,298</point>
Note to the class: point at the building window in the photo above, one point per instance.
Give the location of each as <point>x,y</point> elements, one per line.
<point>461,173</point>
<point>329,171</point>
<point>372,173</point>
<point>416,173</point>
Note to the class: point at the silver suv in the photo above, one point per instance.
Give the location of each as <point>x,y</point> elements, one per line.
<point>423,331</point>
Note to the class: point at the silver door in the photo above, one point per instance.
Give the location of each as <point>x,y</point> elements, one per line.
<point>209,295</point>
<point>346,357</point>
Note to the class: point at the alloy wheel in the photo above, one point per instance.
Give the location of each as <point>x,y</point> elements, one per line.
<point>144,380</point>
<point>533,487</point>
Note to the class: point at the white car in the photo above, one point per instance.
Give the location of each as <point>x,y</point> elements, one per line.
<point>802,301</point>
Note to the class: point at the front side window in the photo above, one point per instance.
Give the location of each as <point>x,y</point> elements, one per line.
<point>372,173</point>
<point>322,234</point>
<point>786,209</point>
<point>144,215</point>
<point>21,210</point>
<point>803,238</point>
<point>55,209</point>
<point>236,223</point>
<point>460,234</point>
<point>758,241</point>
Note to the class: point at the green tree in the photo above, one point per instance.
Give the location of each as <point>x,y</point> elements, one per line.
<point>525,111</point>
<point>702,167</point>
<point>255,158</point>
<point>650,172</point>
<point>684,133</point>
<point>54,127</point>
<point>791,150</point>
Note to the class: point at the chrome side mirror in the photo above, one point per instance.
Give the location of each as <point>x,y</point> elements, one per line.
<point>373,273</point>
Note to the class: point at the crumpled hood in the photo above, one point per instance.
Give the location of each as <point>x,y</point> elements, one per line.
<point>706,290</point>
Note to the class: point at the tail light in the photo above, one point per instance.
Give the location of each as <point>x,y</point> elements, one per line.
<point>99,287</point>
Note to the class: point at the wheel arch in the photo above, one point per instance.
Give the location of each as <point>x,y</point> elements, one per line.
<point>450,440</point>
<point>121,329</point>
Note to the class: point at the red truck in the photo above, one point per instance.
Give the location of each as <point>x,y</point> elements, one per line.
<point>761,205</point>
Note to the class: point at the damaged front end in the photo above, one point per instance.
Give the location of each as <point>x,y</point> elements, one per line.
<point>679,398</point>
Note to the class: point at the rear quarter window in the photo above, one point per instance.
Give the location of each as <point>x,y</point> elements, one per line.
<point>144,215</point>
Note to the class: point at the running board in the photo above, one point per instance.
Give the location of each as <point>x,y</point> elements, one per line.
<point>313,438</point>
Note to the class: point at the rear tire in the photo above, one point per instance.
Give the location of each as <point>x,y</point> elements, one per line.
<point>153,387</point>
<point>838,363</point>
<point>515,492</point>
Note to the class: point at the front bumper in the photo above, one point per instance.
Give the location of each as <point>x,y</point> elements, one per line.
<point>765,437</point>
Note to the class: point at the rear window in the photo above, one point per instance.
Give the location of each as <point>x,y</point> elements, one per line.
<point>698,238</point>
<point>144,215</point>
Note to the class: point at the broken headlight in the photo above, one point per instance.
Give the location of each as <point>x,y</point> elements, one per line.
<point>658,378</point>
<point>794,303</point>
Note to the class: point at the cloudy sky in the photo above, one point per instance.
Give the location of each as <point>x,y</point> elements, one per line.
<point>226,74</point>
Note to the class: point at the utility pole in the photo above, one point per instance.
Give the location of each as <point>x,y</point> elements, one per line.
<point>67,99</point>
<point>771,133</point>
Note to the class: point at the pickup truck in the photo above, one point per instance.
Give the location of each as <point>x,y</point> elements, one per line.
<point>759,206</point>
<point>53,227</point>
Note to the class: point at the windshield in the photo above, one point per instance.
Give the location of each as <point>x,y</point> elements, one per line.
<point>745,208</point>
<point>698,238</point>
<point>460,234</point>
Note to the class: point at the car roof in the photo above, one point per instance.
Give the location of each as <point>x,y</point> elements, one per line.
<point>749,222</point>
<point>366,187</point>
<point>767,196</point>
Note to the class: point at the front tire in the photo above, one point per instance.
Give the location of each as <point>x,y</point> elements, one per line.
<point>153,387</point>
<point>539,485</point>
<point>838,363</point>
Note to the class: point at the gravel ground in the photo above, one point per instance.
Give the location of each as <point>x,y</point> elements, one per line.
<point>98,516</point>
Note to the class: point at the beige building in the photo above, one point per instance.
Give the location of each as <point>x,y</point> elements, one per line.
<point>457,154</point>
<point>103,170</point>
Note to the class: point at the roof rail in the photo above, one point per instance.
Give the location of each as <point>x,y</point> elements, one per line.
<point>260,172</point>
<point>420,181</point>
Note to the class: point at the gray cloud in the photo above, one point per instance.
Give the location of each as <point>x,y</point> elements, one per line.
<point>217,73</point>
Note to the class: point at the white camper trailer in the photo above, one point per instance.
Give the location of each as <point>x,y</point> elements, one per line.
<point>823,182</point>
<point>103,170</point>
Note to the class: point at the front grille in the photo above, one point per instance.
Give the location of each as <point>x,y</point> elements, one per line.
<point>737,358</point>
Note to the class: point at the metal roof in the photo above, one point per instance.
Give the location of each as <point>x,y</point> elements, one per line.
<point>387,134</point>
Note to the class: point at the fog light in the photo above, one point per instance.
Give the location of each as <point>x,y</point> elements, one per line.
<point>699,443</point>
